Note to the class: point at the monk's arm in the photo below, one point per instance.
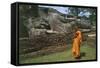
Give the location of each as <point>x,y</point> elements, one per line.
<point>80,37</point>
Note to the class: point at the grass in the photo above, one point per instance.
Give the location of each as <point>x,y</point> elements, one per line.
<point>88,53</point>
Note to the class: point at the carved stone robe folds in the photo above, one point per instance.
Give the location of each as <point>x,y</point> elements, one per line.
<point>56,22</point>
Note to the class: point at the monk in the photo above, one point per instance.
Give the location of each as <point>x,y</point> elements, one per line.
<point>76,43</point>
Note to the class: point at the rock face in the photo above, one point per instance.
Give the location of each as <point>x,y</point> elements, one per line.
<point>36,32</point>
<point>39,37</point>
<point>84,24</point>
<point>46,40</point>
<point>55,21</point>
<point>43,43</point>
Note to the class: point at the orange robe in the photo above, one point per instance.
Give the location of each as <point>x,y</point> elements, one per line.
<point>76,44</point>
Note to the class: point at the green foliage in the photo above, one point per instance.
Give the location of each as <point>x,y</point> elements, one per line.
<point>76,11</point>
<point>89,54</point>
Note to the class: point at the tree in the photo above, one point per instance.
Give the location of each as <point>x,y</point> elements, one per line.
<point>89,13</point>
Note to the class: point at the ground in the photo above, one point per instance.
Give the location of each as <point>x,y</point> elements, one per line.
<point>88,52</point>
